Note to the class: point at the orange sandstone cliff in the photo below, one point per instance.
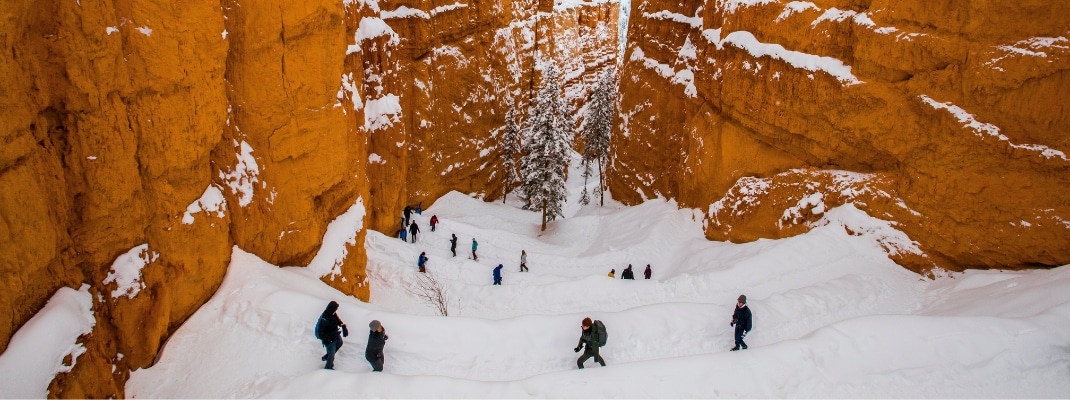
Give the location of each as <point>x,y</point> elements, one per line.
<point>947,118</point>
<point>174,132</point>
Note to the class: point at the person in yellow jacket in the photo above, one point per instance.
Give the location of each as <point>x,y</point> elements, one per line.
<point>612,273</point>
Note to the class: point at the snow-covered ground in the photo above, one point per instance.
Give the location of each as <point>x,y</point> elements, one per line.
<point>833,317</point>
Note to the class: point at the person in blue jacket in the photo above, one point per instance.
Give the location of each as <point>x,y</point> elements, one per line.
<point>498,275</point>
<point>474,246</point>
<point>422,262</point>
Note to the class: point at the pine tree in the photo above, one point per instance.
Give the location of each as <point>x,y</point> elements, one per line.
<point>510,150</point>
<point>597,127</point>
<point>546,151</point>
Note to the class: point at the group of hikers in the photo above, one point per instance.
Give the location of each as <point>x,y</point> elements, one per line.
<point>628,274</point>
<point>330,329</point>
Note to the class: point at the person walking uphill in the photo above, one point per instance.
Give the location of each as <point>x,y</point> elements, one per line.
<point>474,246</point>
<point>434,221</point>
<point>376,342</point>
<point>647,272</point>
<point>453,245</point>
<point>327,331</point>
<point>413,230</point>
<point>627,273</point>
<point>422,262</point>
<point>741,319</point>
<point>498,275</point>
<point>590,341</point>
<point>523,261</point>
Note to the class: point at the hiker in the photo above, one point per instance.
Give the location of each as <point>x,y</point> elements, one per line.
<point>413,230</point>
<point>741,319</point>
<point>422,262</point>
<point>523,261</point>
<point>401,234</point>
<point>408,214</point>
<point>612,273</point>
<point>434,221</point>
<point>627,273</point>
<point>647,272</point>
<point>376,342</point>
<point>327,332</point>
<point>589,340</point>
<point>420,208</point>
<point>474,246</point>
<point>498,275</point>
<point>453,244</point>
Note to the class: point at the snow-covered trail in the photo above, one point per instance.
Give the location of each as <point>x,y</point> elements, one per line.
<point>833,317</point>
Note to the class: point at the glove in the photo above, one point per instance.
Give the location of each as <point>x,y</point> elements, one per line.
<point>576,349</point>
<point>345,331</point>
<point>733,323</point>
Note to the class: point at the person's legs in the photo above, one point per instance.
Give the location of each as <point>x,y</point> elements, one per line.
<point>582,359</point>
<point>598,357</point>
<point>331,349</point>
<point>376,360</point>
<point>739,340</point>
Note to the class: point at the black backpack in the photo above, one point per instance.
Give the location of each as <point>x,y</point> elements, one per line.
<point>320,326</point>
<point>600,332</point>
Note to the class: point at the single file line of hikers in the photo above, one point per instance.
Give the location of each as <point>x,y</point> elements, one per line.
<point>593,336</point>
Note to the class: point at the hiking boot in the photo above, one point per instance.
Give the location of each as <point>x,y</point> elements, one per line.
<point>744,347</point>
<point>734,348</point>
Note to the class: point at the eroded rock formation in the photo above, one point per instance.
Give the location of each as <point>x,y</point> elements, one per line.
<point>162,134</point>
<point>947,113</point>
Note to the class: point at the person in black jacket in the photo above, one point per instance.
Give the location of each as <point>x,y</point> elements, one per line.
<point>627,274</point>
<point>413,230</point>
<point>589,343</point>
<point>453,245</point>
<point>741,319</point>
<point>647,272</point>
<point>327,327</point>
<point>376,342</point>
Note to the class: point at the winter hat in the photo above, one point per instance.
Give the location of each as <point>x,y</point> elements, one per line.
<point>375,325</point>
<point>587,322</point>
<point>742,298</point>
<point>331,308</point>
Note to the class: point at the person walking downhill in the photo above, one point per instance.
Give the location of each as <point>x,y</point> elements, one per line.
<point>627,273</point>
<point>474,246</point>
<point>647,272</point>
<point>434,221</point>
<point>376,342</point>
<point>498,275</point>
<point>413,230</point>
<point>741,319</point>
<point>589,341</point>
<point>523,261</point>
<point>401,234</point>
<point>453,245</point>
<point>422,262</point>
<point>408,214</point>
<point>327,330</point>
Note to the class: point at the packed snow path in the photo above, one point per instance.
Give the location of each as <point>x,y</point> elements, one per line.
<point>833,317</point>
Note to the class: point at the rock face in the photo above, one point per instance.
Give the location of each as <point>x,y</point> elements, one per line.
<point>944,117</point>
<point>159,135</point>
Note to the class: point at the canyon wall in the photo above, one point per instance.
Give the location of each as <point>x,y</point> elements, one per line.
<point>143,141</point>
<point>943,117</point>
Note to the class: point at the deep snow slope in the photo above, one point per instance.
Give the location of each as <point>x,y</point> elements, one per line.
<point>833,317</point>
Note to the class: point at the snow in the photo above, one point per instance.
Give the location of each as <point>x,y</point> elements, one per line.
<point>405,12</point>
<point>36,352</point>
<point>145,30</point>
<point>746,41</point>
<point>837,15</point>
<point>212,201</point>
<point>341,234</point>
<point>449,7</point>
<point>382,112</point>
<point>243,178</point>
<point>683,77</point>
<point>834,317</point>
<point>982,129</point>
<point>795,7</point>
<point>110,30</point>
<point>694,22</point>
<point>372,27</point>
<point>375,158</point>
<point>126,271</point>
<point>730,6</point>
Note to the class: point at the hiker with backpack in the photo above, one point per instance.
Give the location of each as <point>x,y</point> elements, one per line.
<point>453,244</point>
<point>627,273</point>
<point>741,319</point>
<point>434,221</point>
<point>376,342</point>
<point>422,262</point>
<point>592,337</point>
<point>498,275</point>
<point>401,234</point>
<point>413,230</point>
<point>327,331</point>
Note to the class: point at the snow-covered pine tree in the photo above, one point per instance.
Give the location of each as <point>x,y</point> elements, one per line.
<point>546,151</point>
<point>597,127</point>
<point>510,150</point>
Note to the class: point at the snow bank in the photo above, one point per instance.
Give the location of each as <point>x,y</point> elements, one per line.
<point>37,352</point>
<point>341,233</point>
<point>126,271</point>
<point>983,130</point>
<point>746,41</point>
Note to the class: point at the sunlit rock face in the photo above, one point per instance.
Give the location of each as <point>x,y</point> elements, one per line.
<point>944,117</point>
<point>144,140</point>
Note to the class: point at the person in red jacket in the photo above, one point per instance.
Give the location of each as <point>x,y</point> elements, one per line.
<point>434,221</point>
